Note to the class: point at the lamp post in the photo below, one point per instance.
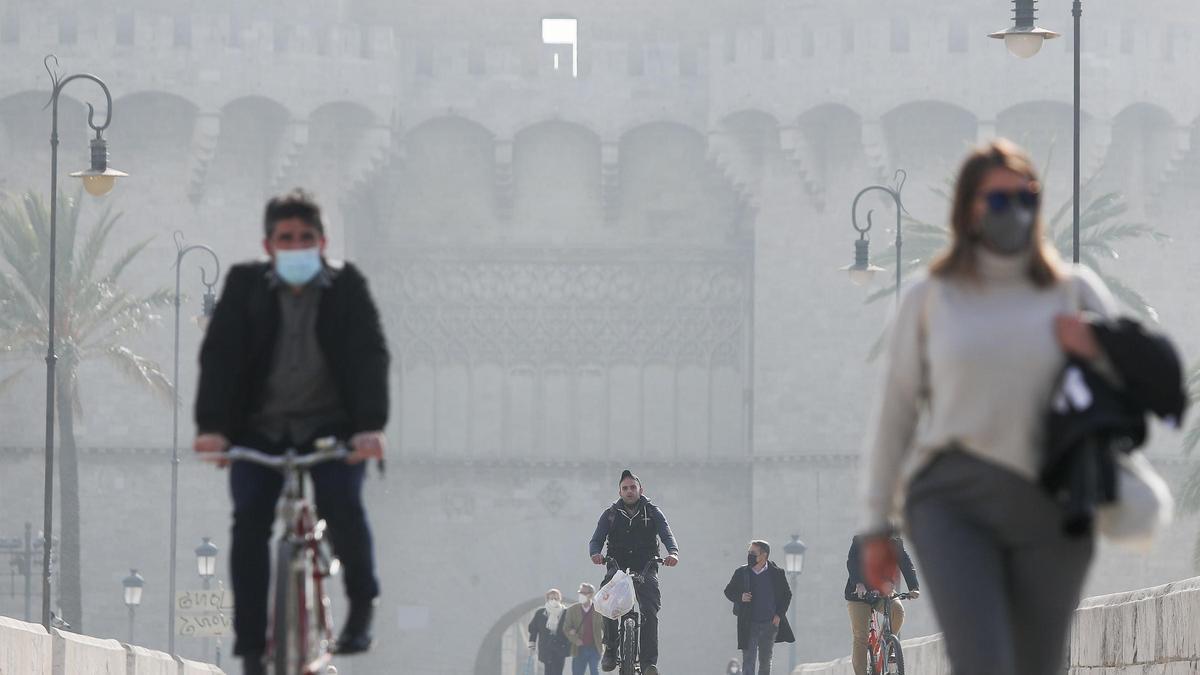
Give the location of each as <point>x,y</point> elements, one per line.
<point>793,564</point>
<point>97,180</point>
<point>133,596</point>
<point>182,250</point>
<point>862,271</point>
<point>1024,39</point>
<point>206,565</point>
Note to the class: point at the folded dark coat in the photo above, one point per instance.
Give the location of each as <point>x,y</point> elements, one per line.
<point>1094,417</point>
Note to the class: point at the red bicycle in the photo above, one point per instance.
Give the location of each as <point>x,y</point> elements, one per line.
<point>884,653</point>
<point>301,621</point>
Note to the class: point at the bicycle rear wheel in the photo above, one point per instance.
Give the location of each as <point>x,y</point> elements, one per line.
<point>628,646</point>
<point>286,647</point>
<point>893,656</point>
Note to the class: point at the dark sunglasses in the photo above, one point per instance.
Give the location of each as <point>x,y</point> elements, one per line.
<point>998,201</point>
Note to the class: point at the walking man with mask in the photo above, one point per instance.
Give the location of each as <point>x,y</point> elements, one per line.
<point>585,629</point>
<point>760,595</point>
<point>632,527</point>
<point>295,352</point>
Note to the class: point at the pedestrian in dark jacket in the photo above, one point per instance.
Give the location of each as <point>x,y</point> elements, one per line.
<point>631,529</point>
<point>546,633</point>
<point>294,352</point>
<point>859,594</point>
<point>761,596</point>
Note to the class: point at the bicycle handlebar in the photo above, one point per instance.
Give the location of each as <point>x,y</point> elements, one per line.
<point>609,561</point>
<point>874,596</point>
<point>328,450</point>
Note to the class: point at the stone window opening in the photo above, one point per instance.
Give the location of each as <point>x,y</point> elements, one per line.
<point>560,35</point>
<point>183,31</point>
<point>958,38</point>
<point>125,33</point>
<point>10,29</point>
<point>900,35</point>
<point>68,29</point>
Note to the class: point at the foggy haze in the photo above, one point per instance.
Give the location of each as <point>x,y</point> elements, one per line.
<point>601,236</point>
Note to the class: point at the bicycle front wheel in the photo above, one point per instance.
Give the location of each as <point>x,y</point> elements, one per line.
<point>628,647</point>
<point>286,641</point>
<point>893,660</point>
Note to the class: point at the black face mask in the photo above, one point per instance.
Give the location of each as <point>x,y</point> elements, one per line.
<point>751,559</point>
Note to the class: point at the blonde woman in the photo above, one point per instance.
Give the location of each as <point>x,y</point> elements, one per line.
<point>973,355</point>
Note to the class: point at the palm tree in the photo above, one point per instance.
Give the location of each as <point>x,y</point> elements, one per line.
<point>94,316</point>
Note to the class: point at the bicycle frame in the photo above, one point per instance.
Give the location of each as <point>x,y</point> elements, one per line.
<point>880,629</point>
<point>303,535</point>
<point>632,621</point>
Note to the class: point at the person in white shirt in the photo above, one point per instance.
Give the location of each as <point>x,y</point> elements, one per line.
<point>973,353</point>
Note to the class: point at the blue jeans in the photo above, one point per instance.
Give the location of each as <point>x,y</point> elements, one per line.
<point>587,659</point>
<point>337,489</point>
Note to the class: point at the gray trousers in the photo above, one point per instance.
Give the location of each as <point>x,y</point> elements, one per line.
<point>1003,578</point>
<point>760,648</point>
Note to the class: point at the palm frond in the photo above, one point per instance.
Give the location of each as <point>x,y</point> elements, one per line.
<point>11,379</point>
<point>877,347</point>
<point>140,370</point>
<point>125,316</point>
<point>122,262</point>
<point>1189,493</point>
<point>1191,439</point>
<point>16,307</point>
<point>93,248</point>
<point>1132,299</point>
<point>1196,555</point>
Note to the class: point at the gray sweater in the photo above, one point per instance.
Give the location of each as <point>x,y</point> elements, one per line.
<point>974,362</point>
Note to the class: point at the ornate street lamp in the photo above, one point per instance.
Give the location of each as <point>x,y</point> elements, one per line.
<point>97,180</point>
<point>793,564</point>
<point>1025,39</point>
<point>862,271</point>
<point>182,250</point>
<point>206,561</point>
<point>133,596</point>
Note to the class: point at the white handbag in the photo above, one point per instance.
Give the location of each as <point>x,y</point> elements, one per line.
<point>1143,508</point>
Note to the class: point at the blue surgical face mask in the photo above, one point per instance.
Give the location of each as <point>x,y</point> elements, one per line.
<point>297,267</point>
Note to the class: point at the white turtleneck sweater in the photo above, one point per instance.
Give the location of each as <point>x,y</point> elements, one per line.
<point>975,363</point>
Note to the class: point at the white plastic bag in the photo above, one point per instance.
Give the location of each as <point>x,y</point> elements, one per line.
<point>615,599</point>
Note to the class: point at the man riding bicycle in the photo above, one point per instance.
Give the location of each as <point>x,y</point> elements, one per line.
<point>295,352</point>
<point>862,599</point>
<point>632,527</point>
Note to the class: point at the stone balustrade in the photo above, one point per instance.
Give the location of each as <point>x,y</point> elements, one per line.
<point>27,649</point>
<point>1151,631</point>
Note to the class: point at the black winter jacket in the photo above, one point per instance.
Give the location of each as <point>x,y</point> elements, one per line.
<point>632,540</point>
<point>552,646</point>
<point>740,583</point>
<point>235,357</point>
